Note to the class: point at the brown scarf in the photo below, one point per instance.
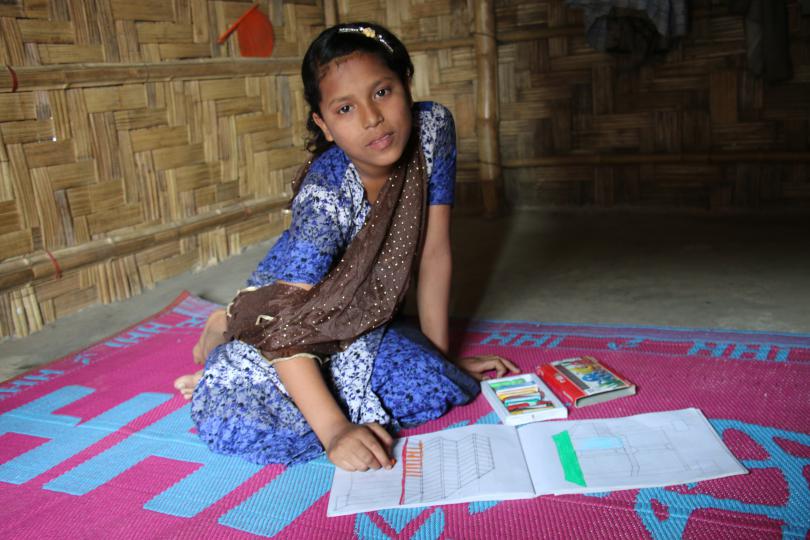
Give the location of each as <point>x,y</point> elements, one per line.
<point>362,292</point>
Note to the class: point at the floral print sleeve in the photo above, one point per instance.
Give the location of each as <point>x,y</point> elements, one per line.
<point>438,137</point>
<point>306,250</point>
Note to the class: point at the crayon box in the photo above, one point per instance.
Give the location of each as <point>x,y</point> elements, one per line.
<point>520,399</point>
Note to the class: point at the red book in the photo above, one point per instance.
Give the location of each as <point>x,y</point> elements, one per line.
<point>584,381</point>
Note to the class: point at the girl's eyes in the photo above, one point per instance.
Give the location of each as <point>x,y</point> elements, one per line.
<point>381,93</point>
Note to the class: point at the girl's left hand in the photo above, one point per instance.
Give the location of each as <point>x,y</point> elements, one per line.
<point>476,366</point>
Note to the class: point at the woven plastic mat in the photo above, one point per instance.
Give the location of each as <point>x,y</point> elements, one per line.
<point>98,444</point>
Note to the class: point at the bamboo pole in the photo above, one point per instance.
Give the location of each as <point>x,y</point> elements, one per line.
<point>536,32</point>
<point>502,38</point>
<point>486,59</point>
<point>644,159</point>
<point>330,13</point>
<point>82,75</point>
<point>438,44</point>
<point>40,265</point>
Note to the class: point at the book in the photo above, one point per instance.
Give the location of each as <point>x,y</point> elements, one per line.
<point>584,381</point>
<point>486,462</point>
<point>519,399</point>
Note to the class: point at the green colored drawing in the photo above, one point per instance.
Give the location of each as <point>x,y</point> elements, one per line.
<point>568,458</point>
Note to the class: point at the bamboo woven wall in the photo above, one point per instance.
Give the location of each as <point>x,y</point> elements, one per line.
<point>134,147</point>
<point>694,131</point>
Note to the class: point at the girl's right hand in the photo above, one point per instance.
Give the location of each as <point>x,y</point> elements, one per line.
<point>361,447</point>
<point>211,337</point>
<point>478,366</point>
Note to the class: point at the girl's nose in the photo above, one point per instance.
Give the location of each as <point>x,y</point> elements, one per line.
<point>373,116</point>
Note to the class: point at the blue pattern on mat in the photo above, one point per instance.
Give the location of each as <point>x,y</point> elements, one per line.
<point>67,436</point>
<point>791,468</point>
<point>283,499</point>
<point>168,438</point>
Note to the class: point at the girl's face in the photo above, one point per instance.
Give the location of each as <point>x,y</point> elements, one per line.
<point>366,111</point>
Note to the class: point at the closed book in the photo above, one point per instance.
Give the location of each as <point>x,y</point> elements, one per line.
<point>584,381</point>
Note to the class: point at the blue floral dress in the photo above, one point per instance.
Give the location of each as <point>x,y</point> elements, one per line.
<point>391,375</point>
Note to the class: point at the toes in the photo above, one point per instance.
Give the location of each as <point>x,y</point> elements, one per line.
<point>185,384</point>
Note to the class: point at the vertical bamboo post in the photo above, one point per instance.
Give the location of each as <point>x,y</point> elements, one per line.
<point>486,124</point>
<point>330,13</point>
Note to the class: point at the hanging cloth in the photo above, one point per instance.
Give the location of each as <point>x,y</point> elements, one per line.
<point>637,27</point>
<point>766,37</point>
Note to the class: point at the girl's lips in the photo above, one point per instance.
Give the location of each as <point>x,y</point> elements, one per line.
<point>383,142</point>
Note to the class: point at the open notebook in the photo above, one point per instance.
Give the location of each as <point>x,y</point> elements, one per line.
<point>499,462</point>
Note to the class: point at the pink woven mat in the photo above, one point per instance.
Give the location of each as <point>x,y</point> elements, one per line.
<point>98,445</point>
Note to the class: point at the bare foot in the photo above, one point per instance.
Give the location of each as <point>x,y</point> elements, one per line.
<point>187,383</point>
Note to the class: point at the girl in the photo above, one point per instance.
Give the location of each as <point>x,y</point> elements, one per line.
<point>309,357</point>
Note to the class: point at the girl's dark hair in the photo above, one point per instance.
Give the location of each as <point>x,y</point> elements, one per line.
<point>333,43</point>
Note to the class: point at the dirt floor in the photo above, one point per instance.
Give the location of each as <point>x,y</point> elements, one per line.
<point>634,268</point>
